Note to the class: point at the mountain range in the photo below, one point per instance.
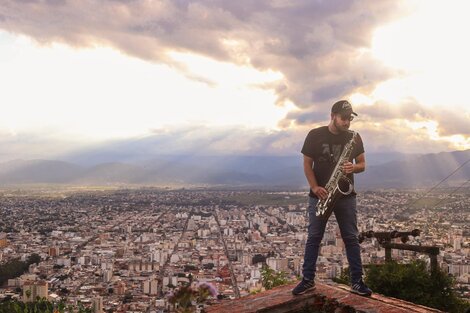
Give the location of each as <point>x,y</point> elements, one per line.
<point>383,171</point>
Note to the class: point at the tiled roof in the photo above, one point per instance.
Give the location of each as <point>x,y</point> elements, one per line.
<point>334,297</point>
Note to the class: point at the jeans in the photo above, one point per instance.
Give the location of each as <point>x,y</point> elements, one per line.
<point>345,213</point>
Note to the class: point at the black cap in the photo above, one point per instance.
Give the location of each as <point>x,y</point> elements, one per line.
<point>342,107</point>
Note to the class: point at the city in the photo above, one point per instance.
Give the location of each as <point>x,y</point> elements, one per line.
<point>156,156</point>
<point>126,250</point>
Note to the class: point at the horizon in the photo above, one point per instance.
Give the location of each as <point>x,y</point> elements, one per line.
<point>150,157</point>
<point>234,171</point>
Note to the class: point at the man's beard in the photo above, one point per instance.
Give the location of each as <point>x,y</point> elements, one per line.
<point>340,128</point>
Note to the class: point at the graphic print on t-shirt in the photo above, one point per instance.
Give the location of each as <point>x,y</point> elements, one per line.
<point>325,153</point>
<point>327,156</point>
<point>336,153</point>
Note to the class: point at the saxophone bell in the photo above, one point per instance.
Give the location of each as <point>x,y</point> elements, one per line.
<point>350,188</point>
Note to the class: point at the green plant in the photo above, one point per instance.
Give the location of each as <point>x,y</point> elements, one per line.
<point>343,277</point>
<point>185,299</point>
<point>413,282</point>
<point>42,305</point>
<point>270,278</point>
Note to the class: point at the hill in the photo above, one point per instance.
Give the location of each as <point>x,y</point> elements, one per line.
<point>405,171</point>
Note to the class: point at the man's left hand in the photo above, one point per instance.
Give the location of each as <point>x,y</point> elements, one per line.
<point>348,168</point>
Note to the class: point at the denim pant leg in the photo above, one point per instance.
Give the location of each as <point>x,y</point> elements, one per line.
<point>316,229</point>
<point>345,213</point>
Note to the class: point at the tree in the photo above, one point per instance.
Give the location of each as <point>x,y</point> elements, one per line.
<point>258,258</point>
<point>17,307</point>
<point>127,298</point>
<point>28,294</point>
<point>187,299</point>
<point>208,266</point>
<point>40,306</point>
<point>413,282</point>
<point>12,269</point>
<point>34,258</point>
<point>270,278</point>
<point>15,267</point>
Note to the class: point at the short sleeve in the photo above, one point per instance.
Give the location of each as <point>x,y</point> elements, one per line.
<point>308,148</point>
<point>359,147</point>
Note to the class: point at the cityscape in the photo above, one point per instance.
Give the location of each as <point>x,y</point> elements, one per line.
<point>156,155</point>
<point>126,250</point>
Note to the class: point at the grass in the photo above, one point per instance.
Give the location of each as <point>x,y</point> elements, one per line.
<point>268,199</point>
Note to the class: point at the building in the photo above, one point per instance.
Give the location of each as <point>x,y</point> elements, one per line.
<point>120,288</point>
<point>149,287</point>
<point>107,275</point>
<point>34,289</point>
<point>3,240</point>
<point>97,305</point>
<point>54,251</point>
<point>278,264</point>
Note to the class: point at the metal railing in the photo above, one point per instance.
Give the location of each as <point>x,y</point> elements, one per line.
<point>385,240</point>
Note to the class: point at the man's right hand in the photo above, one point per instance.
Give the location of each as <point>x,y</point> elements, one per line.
<point>320,192</point>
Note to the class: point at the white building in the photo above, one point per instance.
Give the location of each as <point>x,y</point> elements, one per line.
<point>150,286</point>
<point>97,304</point>
<point>34,289</point>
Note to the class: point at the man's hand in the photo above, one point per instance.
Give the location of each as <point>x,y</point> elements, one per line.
<point>348,168</point>
<point>320,192</point>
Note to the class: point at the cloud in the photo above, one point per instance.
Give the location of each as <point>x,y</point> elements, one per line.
<point>320,47</point>
<point>448,122</point>
<point>315,44</point>
<point>308,116</point>
<point>406,126</point>
<point>379,111</point>
<point>399,137</point>
<point>28,145</point>
<point>195,140</point>
<point>199,140</point>
<point>408,109</point>
<point>453,123</point>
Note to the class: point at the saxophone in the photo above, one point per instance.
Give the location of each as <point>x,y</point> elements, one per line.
<point>324,207</point>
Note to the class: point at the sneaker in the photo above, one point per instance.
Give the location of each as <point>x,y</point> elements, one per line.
<point>361,289</point>
<point>303,287</point>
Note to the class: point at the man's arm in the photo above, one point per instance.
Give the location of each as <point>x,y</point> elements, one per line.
<point>319,191</point>
<point>358,167</point>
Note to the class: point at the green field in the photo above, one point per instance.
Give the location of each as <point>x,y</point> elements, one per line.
<point>268,199</point>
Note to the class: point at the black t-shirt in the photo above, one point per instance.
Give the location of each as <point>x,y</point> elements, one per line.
<point>325,149</point>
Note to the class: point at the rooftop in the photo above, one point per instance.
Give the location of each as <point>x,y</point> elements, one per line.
<point>325,298</point>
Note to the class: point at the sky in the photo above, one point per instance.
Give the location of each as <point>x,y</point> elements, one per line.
<point>230,77</point>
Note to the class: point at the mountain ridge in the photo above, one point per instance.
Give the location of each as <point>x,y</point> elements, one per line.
<point>404,171</point>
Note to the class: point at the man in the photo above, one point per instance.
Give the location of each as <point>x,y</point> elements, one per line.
<point>322,149</point>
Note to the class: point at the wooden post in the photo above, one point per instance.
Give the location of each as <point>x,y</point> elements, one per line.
<point>433,258</point>
<point>388,254</point>
<point>432,251</point>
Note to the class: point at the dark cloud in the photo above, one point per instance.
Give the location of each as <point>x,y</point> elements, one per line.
<point>399,138</point>
<point>309,117</point>
<point>453,123</point>
<point>315,44</point>
<point>448,122</point>
<point>377,112</point>
<point>408,109</point>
